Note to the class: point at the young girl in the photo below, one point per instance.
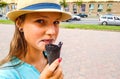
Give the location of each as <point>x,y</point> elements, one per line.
<point>36,25</point>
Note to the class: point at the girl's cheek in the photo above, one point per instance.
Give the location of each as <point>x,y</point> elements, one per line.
<point>41,46</point>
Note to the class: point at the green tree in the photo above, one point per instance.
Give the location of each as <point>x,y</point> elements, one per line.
<point>79,3</point>
<point>3,4</point>
<point>63,3</point>
<point>109,10</point>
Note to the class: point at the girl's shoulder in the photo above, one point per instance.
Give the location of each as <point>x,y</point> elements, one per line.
<point>7,73</point>
<point>16,69</point>
<point>7,70</point>
<point>10,64</point>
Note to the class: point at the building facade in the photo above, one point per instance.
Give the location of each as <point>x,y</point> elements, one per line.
<point>11,6</point>
<point>93,8</point>
<point>90,7</point>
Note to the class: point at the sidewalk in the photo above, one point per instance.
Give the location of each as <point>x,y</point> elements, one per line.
<point>86,54</point>
<point>6,33</point>
<point>90,54</point>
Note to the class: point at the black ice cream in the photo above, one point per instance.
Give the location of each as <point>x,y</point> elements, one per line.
<point>53,51</point>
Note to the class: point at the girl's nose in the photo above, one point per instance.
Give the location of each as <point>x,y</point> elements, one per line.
<point>51,30</point>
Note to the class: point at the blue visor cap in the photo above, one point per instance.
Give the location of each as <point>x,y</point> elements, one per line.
<point>42,6</point>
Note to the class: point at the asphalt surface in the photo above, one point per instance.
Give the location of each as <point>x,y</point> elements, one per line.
<point>86,54</point>
<point>86,21</point>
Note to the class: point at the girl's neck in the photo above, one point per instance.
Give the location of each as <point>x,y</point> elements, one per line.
<point>38,60</point>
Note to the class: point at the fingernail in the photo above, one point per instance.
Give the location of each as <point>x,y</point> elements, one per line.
<point>59,60</point>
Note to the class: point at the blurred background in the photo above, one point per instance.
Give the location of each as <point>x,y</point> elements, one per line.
<point>91,38</point>
<point>89,7</point>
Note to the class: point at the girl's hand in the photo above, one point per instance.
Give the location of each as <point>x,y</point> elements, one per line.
<point>53,71</point>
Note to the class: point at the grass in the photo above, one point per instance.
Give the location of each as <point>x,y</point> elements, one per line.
<point>91,27</point>
<point>6,22</point>
<point>79,26</point>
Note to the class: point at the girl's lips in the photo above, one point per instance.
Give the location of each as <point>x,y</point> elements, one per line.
<point>47,41</point>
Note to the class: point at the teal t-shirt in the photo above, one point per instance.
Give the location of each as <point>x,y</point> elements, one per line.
<point>17,69</point>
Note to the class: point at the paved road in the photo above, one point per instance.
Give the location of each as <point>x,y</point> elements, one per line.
<point>86,54</point>
<point>86,21</point>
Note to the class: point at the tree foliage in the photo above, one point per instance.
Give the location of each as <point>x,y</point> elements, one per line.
<point>63,3</point>
<point>109,10</point>
<point>78,2</point>
<point>3,4</point>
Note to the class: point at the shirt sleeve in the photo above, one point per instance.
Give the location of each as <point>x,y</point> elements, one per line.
<point>2,77</point>
<point>6,74</point>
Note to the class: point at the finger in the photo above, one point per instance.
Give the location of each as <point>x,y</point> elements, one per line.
<point>55,64</point>
<point>58,73</point>
<point>51,69</point>
<point>44,73</point>
<point>61,77</point>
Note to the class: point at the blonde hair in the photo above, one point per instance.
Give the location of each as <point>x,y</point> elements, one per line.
<point>18,45</point>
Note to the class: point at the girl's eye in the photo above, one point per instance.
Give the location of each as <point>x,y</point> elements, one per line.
<point>40,21</point>
<point>57,22</point>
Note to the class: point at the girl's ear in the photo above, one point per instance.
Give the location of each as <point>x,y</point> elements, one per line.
<point>18,23</point>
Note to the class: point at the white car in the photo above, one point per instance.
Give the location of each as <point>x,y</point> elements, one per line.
<point>75,17</point>
<point>109,20</point>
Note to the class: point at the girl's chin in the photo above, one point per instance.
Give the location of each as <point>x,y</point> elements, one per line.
<point>41,48</point>
<point>41,45</point>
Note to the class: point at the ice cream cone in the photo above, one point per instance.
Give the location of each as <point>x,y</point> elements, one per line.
<point>53,51</point>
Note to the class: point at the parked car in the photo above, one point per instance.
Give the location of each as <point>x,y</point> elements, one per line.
<point>1,15</point>
<point>83,15</point>
<point>74,18</point>
<point>109,20</point>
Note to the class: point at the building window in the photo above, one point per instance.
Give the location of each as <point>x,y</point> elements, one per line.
<point>74,8</point>
<point>83,6</point>
<point>91,6</point>
<point>67,8</point>
<point>100,7</point>
<point>13,7</point>
<point>7,8</point>
<point>109,5</point>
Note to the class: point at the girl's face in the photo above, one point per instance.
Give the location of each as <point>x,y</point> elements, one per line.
<point>41,29</point>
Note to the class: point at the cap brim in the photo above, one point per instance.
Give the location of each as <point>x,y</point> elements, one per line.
<point>13,15</point>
